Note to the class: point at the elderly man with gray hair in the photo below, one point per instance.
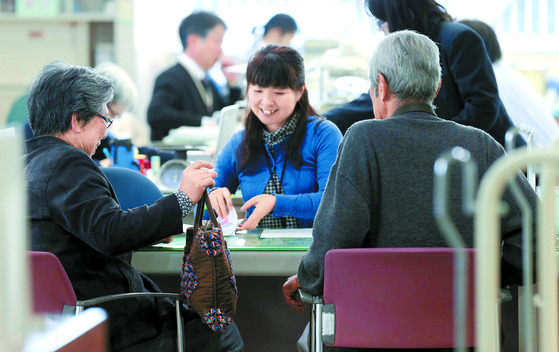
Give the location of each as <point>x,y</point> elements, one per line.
<point>380,189</point>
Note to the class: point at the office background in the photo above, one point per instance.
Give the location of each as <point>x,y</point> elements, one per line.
<point>337,40</point>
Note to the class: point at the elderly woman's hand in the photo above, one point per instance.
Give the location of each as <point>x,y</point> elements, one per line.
<point>196,178</point>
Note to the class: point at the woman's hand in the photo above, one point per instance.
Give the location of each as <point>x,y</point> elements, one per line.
<point>221,201</point>
<point>263,205</point>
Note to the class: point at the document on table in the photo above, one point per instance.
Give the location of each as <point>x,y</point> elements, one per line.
<point>286,233</point>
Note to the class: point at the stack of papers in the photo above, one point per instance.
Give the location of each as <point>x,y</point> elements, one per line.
<point>286,233</point>
<point>194,136</point>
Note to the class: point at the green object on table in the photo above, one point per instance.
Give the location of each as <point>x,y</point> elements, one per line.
<point>249,241</point>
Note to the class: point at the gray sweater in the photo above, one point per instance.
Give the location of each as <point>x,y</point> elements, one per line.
<point>380,191</point>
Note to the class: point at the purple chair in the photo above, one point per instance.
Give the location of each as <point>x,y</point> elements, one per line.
<point>389,298</point>
<point>53,292</point>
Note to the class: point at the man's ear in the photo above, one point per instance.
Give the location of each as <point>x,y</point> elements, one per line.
<point>438,89</point>
<point>191,39</point>
<point>382,87</point>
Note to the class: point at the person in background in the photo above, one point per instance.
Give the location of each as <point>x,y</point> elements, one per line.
<point>124,99</point>
<point>184,93</point>
<point>281,159</point>
<point>74,213</point>
<point>280,29</point>
<point>525,106</point>
<point>387,201</point>
<point>125,92</point>
<point>351,112</point>
<point>468,94</point>
<point>126,124</point>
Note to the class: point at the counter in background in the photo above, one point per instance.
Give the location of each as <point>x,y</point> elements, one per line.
<point>251,254</point>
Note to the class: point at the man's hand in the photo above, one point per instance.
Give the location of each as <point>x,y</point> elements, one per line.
<point>232,77</point>
<point>196,178</point>
<point>290,288</point>
<point>263,205</point>
<point>221,201</point>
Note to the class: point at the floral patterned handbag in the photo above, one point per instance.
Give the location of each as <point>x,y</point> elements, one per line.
<point>207,279</point>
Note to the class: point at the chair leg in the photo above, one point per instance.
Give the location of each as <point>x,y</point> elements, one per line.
<point>180,326</point>
<point>315,329</point>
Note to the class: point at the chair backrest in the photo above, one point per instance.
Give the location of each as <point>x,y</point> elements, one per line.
<point>50,284</point>
<point>227,126</point>
<point>132,188</point>
<point>395,297</point>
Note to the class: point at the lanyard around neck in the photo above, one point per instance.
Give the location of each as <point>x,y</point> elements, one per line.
<point>269,164</point>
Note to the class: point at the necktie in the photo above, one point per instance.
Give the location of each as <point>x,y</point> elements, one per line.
<point>209,94</point>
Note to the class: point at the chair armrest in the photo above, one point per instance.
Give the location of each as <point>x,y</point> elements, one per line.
<point>175,296</point>
<point>107,298</point>
<point>306,297</point>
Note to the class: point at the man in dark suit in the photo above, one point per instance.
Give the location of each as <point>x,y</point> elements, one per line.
<point>183,94</point>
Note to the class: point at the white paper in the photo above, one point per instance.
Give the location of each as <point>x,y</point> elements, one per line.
<point>229,225</point>
<point>286,233</point>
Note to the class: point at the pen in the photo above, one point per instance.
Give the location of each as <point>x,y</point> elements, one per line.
<point>241,222</point>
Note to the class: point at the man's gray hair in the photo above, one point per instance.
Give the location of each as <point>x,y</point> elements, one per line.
<point>409,62</point>
<point>60,90</point>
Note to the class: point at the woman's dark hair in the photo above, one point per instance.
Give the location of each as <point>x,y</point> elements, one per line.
<point>423,16</point>
<point>283,21</point>
<point>280,67</point>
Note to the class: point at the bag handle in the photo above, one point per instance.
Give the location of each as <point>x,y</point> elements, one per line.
<point>205,199</point>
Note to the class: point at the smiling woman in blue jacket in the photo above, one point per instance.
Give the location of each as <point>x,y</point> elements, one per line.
<point>282,158</point>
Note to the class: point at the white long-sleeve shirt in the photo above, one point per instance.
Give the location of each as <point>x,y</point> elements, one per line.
<point>526,107</point>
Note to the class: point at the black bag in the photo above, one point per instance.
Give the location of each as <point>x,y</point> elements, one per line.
<point>207,278</point>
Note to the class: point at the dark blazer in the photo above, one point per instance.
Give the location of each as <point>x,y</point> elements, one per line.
<point>468,93</point>
<point>74,213</point>
<point>347,114</point>
<point>176,102</point>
